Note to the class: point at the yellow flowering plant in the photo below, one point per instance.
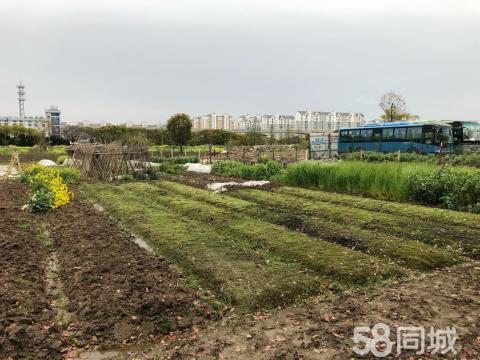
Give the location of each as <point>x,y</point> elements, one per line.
<point>48,189</point>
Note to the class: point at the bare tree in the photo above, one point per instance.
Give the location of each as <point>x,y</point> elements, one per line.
<point>394,106</point>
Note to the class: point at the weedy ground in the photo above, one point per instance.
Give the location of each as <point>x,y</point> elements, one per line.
<point>259,249</point>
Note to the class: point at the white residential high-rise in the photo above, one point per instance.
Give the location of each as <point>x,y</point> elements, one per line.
<point>212,121</point>
<point>303,121</point>
<point>308,121</point>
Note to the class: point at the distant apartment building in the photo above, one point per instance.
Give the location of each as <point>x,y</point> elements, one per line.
<point>212,121</point>
<point>302,121</point>
<point>248,122</point>
<point>276,123</point>
<point>308,121</point>
<point>49,124</point>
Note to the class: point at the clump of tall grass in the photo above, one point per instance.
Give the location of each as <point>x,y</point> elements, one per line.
<point>261,171</point>
<point>383,180</point>
<point>175,159</point>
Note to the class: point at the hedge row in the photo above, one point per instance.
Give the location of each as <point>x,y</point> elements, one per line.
<point>472,160</point>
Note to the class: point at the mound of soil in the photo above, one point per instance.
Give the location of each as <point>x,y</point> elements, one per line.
<point>27,322</point>
<point>119,292</point>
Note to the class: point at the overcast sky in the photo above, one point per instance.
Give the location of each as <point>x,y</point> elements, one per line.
<point>142,61</point>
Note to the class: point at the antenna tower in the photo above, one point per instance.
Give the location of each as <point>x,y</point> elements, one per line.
<point>21,99</point>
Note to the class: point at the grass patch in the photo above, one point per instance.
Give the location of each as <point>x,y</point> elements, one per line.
<point>402,227</point>
<point>44,238</point>
<point>382,180</point>
<point>429,214</point>
<point>344,265</point>
<point>282,210</point>
<point>243,276</point>
<point>23,226</point>
<point>261,171</point>
<point>25,283</point>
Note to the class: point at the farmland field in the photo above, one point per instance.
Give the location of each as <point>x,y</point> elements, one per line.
<point>289,272</point>
<point>257,249</point>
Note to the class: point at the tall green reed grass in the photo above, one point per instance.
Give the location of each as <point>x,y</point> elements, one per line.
<point>386,180</point>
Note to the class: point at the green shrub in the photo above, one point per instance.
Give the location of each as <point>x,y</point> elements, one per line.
<point>147,174</point>
<point>175,159</point>
<point>472,160</point>
<point>69,174</point>
<point>453,188</point>
<point>168,168</point>
<point>40,200</point>
<point>61,159</point>
<point>261,171</point>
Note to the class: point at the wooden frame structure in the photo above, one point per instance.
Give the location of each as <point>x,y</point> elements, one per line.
<point>108,161</point>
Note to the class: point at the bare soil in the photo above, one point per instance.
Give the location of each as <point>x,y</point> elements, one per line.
<point>116,292</point>
<point>27,320</point>
<point>122,298</point>
<point>323,329</point>
<point>119,292</point>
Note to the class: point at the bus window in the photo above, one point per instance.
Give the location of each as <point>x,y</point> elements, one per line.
<point>428,136</point>
<point>400,134</point>
<point>443,135</point>
<point>387,134</point>
<point>344,136</point>
<point>354,134</point>
<point>377,135</point>
<point>414,134</point>
<point>366,135</point>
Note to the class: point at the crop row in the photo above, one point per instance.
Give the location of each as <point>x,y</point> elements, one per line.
<point>297,215</point>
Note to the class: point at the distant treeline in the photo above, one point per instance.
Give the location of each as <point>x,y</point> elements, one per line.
<point>19,135</point>
<point>123,134</point>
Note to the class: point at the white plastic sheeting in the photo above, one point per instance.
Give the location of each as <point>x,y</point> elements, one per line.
<point>46,162</point>
<point>221,187</point>
<point>198,168</point>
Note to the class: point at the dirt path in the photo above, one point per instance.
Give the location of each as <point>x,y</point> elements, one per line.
<point>323,330</point>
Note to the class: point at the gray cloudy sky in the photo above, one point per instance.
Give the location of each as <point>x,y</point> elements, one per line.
<point>141,61</point>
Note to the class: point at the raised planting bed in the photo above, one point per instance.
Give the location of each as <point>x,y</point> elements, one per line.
<point>342,265</point>
<point>267,206</point>
<point>242,276</point>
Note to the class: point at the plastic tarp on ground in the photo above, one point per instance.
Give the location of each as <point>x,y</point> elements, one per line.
<point>198,168</point>
<point>221,187</point>
<point>46,162</point>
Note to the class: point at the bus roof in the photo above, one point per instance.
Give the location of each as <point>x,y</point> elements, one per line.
<point>398,124</point>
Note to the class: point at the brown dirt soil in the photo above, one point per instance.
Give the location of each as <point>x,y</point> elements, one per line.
<point>114,292</point>
<point>27,321</point>
<point>200,181</point>
<point>118,292</point>
<point>324,329</point>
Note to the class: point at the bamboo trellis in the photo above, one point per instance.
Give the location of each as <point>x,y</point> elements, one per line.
<point>108,161</point>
